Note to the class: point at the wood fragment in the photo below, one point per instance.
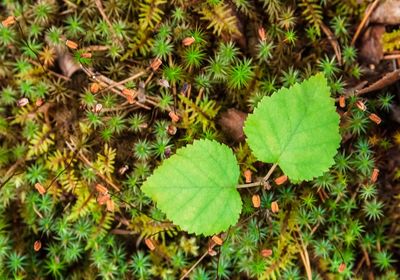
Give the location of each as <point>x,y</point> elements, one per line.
<point>363,22</point>
<point>387,80</point>
<point>333,41</point>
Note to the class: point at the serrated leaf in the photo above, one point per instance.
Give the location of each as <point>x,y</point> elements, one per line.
<point>297,128</point>
<point>196,188</point>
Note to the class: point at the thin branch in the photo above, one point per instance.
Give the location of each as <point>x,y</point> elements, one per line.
<point>368,13</point>
<point>259,183</point>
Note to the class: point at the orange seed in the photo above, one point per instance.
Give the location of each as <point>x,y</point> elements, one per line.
<point>149,243</point>
<point>280,180</point>
<point>256,201</point>
<point>375,118</point>
<point>275,207</point>
<point>247,176</point>
<point>37,245</point>
<point>39,187</point>
<point>217,240</point>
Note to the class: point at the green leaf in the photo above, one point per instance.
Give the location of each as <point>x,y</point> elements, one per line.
<point>297,128</point>
<point>196,188</point>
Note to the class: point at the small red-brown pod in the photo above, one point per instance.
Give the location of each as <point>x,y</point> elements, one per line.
<point>22,102</point>
<point>375,118</point>
<point>150,244</point>
<point>261,34</point>
<point>374,175</point>
<point>247,176</point>
<point>274,207</point>
<point>155,64</point>
<point>360,105</point>
<point>102,199</point>
<point>129,94</point>
<point>110,205</point>
<point>94,88</point>
<point>86,55</point>
<point>71,44</point>
<point>37,245</point>
<point>212,252</point>
<point>256,200</point>
<point>39,102</point>
<point>217,240</point>
<point>174,117</point>
<point>342,267</point>
<point>280,180</point>
<point>266,253</point>
<point>101,189</point>
<point>342,101</point>
<point>171,129</point>
<point>39,187</point>
<point>8,21</point>
<point>188,41</point>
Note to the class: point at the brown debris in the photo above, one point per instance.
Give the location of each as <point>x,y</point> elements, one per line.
<point>231,123</point>
<point>371,49</point>
<point>387,12</point>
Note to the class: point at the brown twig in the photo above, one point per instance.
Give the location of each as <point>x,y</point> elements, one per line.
<point>99,6</point>
<point>360,27</point>
<point>386,80</point>
<point>333,41</point>
<point>259,183</point>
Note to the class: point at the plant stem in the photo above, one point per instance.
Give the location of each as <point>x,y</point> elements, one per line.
<point>259,183</point>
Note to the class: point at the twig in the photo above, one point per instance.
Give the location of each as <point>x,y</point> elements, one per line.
<point>333,41</point>
<point>99,6</point>
<point>386,80</point>
<point>259,183</point>
<point>368,13</point>
<point>134,77</point>
<point>194,265</point>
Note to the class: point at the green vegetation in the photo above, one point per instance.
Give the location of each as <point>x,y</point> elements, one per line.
<point>107,106</point>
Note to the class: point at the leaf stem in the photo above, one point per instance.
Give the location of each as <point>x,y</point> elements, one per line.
<point>259,183</point>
